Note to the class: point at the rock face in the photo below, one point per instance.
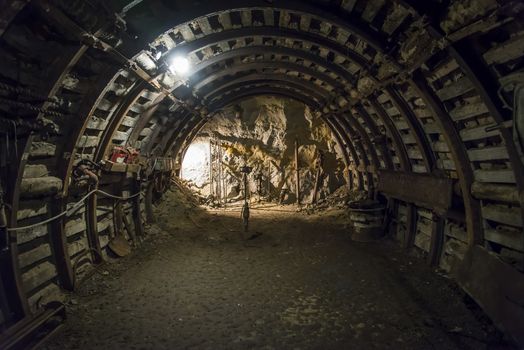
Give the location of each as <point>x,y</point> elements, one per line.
<point>261,133</point>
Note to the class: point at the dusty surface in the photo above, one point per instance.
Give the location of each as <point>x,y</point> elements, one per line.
<point>300,284</point>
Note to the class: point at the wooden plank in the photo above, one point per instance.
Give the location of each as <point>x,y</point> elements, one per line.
<point>496,176</point>
<point>37,187</point>
<point>507,51</point>
<point>75,226</point>
<point>76,247</point>
<point>87,141</point>
<point>371,10</point>
<point>423,241</point>
<point>35,170</point>
<point>496,192</point>
<point>443,69</point>
<point>502,214</point>
<point>40,149</point>
<point>440,146</point>
<point>468,111</point>
<point>394,19</point>
<point>506,238</point>
<point>478,133</point>
<point>431,128</point>
<point>426,190</point>
<point>225,20</point>
<point>455,89</point>
<point>38,276</point>
<point>488,153</point>
<point>30,257</point>
<point>32,208</point>
<point>348,5</point>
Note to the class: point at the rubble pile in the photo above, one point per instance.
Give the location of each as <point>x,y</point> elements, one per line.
<point>342,198</point>
<point>179,208</point>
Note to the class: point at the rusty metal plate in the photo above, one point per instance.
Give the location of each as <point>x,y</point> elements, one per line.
<point>425,190</point>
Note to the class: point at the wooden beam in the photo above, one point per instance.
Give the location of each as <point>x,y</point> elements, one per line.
<point>425,190</point>
<point>297,173</point>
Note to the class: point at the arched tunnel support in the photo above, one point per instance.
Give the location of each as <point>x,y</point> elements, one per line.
<point>408,94</point>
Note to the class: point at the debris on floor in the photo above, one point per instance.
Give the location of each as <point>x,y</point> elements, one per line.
<point>301,283</point>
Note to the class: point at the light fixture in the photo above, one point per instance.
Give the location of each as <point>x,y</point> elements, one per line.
<point>158,50</point>
<point>179,65</point>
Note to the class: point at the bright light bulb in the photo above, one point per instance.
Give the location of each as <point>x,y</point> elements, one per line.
<point>158,54</point>
<point>179,65</point>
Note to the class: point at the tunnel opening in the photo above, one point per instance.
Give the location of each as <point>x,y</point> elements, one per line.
<point>195,165</point>
<point>345,132</point>
<point>290,152</point>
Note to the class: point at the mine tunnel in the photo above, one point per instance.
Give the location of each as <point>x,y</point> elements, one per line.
<point>261,174</point>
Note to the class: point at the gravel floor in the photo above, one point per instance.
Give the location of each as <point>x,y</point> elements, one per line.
<point>299,284</point>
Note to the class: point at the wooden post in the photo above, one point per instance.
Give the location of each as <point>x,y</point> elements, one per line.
<point>268,180</point>
<point>219,172</point>
<point>317,177</point>
<point>297,173</point>
<point>223,191</point>
<point>211,191</point>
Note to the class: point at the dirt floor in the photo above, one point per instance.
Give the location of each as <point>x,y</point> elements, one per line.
<point>297,283</point>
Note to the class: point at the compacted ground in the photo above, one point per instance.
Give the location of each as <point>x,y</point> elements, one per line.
<point>296,281</point>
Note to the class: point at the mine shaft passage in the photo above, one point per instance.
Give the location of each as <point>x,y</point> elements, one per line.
<point>260,174</point>
<point>296,281</point>
<point>260,244</point>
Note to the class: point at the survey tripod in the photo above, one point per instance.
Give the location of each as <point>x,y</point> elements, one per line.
<point>245,170</point>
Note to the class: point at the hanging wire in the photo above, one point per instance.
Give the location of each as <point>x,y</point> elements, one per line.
<point>73,209</point>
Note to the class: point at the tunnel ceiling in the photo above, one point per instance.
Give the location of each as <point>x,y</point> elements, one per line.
<point>416,87</point>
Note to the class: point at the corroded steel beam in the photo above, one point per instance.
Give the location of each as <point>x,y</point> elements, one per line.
<point>365,137</point>
<point>485,86</point>
<point>348,143</point>
<point>274,50</point>
<point>273,91</point>
<point>458,153</point>
<point>116,119</point>
<point>160,18</point>
<point>221,72</point>
<point>378,137</point>
<point>176,134</point>
<point>249,32</point>
<point>314,91</point>
<point>400,148</point>
<point>414,125</point>
<point>405,166</point>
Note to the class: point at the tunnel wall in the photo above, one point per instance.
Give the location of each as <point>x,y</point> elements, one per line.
<point>413,89</point>
<point>261,133</point>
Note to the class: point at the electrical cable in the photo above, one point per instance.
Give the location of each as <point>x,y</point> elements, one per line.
<point>71,210</point>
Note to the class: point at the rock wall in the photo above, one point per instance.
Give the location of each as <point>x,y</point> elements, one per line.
<point>261,133</point>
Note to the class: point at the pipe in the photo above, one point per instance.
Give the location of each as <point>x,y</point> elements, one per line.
<point>84,169</point>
